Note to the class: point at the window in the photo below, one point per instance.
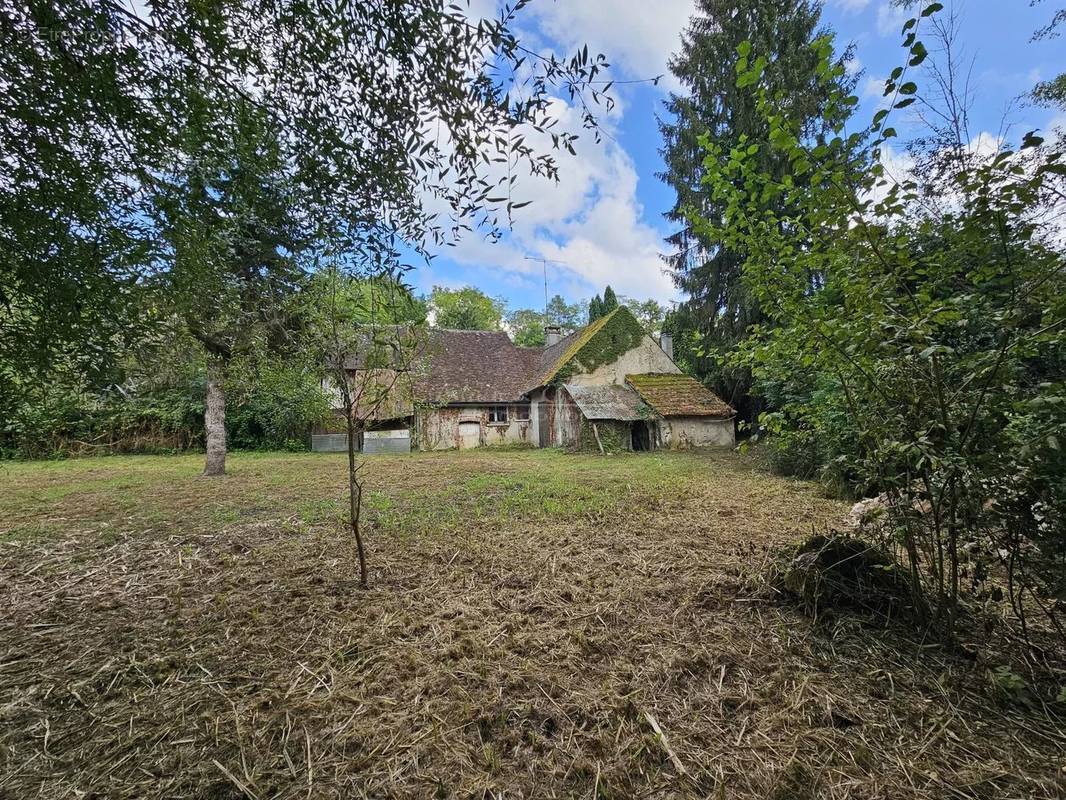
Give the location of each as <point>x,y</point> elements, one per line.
<point>498,415</point>
<point>520,413</point>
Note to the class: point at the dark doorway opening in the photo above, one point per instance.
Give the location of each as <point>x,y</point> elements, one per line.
<point>641,436</point>
<point>543,424</point>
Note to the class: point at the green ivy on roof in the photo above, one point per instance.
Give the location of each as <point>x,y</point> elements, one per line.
<point>602,342</point>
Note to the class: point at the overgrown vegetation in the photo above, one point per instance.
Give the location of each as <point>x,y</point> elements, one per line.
<point>529,614</point>
<point>916,340</point>
<point>605,436</point>
<point>601,343</point>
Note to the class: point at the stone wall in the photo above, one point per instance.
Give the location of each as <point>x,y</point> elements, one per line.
<point>449,428</point>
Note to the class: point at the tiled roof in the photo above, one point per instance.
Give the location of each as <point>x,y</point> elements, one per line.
<point>475,367</point>
<point>611,401</point>
<point>679,396</point>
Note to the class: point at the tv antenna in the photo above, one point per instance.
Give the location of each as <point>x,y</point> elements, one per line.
<point>544,262</point>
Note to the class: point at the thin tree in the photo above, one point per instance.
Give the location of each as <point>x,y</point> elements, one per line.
<point>371,354</point>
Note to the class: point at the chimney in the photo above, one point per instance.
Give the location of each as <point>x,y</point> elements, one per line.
<point>552,335</point>
<point>666,342</point>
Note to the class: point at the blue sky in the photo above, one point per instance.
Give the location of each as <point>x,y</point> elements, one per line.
<point>603,220</point>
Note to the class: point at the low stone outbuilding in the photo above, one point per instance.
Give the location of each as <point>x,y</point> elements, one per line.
<point>689,414</point>
<point>610,418</point>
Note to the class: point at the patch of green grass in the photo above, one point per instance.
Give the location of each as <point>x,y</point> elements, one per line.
<point>23,533</point>
<point>404,495</point>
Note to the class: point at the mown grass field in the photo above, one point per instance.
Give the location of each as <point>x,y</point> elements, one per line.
<point>538,625</point>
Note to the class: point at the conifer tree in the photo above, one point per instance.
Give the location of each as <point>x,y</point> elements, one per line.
<point>595,309</point>
<point>710,103</point>
<point>610,302</point>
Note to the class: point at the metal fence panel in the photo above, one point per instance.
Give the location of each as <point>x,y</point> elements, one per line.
<point>329,442</point>
<point>387,442</point>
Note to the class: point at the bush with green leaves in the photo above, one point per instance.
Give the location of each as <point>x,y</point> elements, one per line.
<point>70,418</point>
<point>275,408</point>
<point>915,335</point>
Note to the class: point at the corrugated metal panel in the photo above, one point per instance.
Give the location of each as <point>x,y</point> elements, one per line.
<point>607,402</point>
<point>398,441</point>
<point>329,443</point>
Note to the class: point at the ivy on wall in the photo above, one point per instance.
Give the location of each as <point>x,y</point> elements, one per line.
<point>615,436</point>
<point>607,340</point>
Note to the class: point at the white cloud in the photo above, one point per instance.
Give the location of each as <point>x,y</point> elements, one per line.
<point>890,18</point>
<point>873,87</point>
<point>591,220</point>
<point>851,6</point>
<point>637,37</point>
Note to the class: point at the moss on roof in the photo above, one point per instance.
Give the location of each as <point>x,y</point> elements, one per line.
<point>674,395</point>
<point>599,343</point>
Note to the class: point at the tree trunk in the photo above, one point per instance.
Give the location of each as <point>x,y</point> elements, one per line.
<point>215,421</point>
<point>355,495</point>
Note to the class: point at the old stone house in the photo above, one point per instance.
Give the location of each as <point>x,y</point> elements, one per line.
<point>606,387</point>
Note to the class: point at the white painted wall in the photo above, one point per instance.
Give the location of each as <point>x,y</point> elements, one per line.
<point>647,356</point>
<point>682,433</point>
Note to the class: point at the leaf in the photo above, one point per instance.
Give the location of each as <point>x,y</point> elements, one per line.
<point>910,87</point>
<point>1031,140</point>
<point>931,9</point>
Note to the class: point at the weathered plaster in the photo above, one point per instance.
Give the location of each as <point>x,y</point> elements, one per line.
<point>682,433</point>
<point>645,357</point>
<point>444,428</point>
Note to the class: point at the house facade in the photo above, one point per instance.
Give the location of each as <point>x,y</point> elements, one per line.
<point>606,387</point>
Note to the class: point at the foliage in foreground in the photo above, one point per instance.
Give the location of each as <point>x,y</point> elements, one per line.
<point>719,308</point>
<point>916,339</point>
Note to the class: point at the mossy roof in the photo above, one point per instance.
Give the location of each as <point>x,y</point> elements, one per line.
<point>560,355</point>
<point>679,396</point>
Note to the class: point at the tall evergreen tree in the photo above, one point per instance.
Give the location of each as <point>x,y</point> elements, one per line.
<point>610,301</point>
<point>710,103</point>
<point>595,309</point>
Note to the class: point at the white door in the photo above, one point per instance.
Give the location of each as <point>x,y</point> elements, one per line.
<point>469,434</point>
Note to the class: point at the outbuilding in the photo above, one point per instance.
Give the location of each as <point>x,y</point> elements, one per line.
<point>688,413</point>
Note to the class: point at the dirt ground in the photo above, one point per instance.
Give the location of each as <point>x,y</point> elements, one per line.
<point>539,625</point>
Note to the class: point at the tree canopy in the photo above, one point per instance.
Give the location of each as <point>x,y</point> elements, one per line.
<point>465,309</point>
<point>917,323</point>
<point>394,127</point>
<point>710,104</point>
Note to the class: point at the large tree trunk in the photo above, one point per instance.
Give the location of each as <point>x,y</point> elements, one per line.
<point>215,421</point>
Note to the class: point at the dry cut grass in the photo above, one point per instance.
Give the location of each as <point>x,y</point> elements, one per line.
<point>539,626</point>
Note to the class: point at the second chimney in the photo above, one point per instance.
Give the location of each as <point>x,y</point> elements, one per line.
<point>666,342</point>
<point>552,335</point>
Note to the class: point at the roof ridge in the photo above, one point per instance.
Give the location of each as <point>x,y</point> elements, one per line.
<point>465,330</point>
<point>580,339</point>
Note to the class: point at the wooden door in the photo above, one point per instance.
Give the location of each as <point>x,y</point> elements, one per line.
<point>469,435</point>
